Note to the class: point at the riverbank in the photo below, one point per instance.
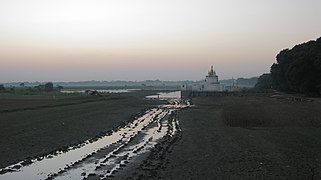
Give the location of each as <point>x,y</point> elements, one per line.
<point>248,136</point>
<point>36,125</point>
<point>244,137</point>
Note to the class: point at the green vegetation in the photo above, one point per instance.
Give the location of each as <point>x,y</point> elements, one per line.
<point>297,70</point>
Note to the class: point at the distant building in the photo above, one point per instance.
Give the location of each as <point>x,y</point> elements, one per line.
<point>233,86</point>
<point>210,83</point>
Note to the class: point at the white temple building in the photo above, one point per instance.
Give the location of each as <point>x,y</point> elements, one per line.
<point>210,83</point>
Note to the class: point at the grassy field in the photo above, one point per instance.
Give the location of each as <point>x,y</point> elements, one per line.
<point>33,125</point>
<point>247,137</point>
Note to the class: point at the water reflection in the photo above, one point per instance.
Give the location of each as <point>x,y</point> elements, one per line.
<point>99,91</point>
<point>108,154</point>
<point>166,95</point>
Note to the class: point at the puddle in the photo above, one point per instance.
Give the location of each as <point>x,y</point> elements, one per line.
<point>110,153</point>
<point>166,96</point>
<point>100,91</point>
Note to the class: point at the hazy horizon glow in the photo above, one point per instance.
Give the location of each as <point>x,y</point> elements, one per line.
<point>73,40</point>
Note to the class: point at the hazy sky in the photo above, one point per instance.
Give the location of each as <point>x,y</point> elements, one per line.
<point>72,40</point>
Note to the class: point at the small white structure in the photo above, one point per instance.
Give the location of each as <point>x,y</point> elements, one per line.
<point>210,83</point>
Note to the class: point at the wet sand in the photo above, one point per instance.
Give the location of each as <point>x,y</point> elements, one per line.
<point>32,126</point>
<point>103,157</point>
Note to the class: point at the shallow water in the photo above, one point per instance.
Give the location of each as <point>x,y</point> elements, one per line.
<point>100,91</point>
<point>108,154</point>
<point>166,96</point>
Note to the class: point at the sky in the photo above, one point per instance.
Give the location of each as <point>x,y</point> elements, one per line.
<point>77,40</point>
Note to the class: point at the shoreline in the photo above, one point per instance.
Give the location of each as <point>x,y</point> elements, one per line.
<point>59,131</point>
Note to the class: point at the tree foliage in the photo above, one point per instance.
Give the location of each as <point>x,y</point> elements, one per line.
<point>298,69</point>
<point>59,88</point>
<point>49,86</point>
<point>264,82</point>
<point>2,88</point>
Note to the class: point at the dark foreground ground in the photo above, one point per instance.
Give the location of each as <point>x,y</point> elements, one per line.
<point>35,125</point>
<point>248,137</point>
<point>235,137</point>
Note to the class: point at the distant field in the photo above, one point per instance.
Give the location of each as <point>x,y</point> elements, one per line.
<point>32,125</point>
<point>275,111</point>
<point>23,102</point>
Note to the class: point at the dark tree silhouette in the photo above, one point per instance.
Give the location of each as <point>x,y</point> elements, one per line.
<point>298,69</point>
<point>59,87</point>
<point>49,86</point>
<point>2,88</point>
<point>264,82</point>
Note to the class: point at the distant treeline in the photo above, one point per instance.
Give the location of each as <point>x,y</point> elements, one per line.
<point>297,70</point>
<point>22,89</point>
<point>117,83</point>
<point>241,82</point>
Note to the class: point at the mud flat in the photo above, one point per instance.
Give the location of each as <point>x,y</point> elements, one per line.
<point>237,137</point>
<point>241,137</point>
<point>38,125</point>
<point>104,156</point>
